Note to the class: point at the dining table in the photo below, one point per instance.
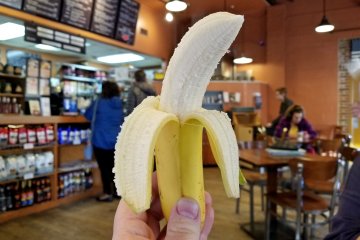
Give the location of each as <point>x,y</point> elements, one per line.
<point>260,158</point>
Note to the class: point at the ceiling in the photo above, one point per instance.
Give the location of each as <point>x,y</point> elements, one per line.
<point>196,9</point>
<point>94,49</point>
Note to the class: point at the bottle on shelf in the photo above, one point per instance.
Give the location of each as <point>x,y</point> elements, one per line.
<point>23,195</point>
<point>17,196</point>
<point>9,197</point>
<point>2,200</point>
<point>29,194</point>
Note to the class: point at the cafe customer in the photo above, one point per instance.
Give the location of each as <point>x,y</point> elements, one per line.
<point>281,94</point>
<point>295,127</point>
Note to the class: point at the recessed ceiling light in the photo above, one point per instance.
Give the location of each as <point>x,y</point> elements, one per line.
<point>11,30</point>
<point>47,47</point>
<point>120,58</point>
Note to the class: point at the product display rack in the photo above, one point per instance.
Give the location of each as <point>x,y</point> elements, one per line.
<point>59,152</point>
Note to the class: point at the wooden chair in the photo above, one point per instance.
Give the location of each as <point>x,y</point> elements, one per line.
<point>254,177</point>
<point>305,202</point>
<point>348,154</point>
<point>329,147</point>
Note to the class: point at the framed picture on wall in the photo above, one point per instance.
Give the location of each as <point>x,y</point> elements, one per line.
<point>32,67</point>
<point>45,69</point>
<point>32,86</point>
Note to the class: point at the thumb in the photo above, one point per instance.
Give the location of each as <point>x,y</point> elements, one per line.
<point>184,222</point>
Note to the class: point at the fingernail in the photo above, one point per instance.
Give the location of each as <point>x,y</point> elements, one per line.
<point>187,208</point>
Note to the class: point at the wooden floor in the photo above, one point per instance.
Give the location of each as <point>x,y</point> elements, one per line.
<point>90,220</point>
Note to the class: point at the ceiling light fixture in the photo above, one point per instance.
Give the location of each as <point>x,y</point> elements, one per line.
<point>47,47</point>
<point>242,59</point>
<point>11,30</point>
<point>120,58</point>
<point>169,17</point>
<point>325,25</point>
<point>175,5</point>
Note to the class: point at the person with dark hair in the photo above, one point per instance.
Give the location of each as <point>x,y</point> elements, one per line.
<point>294,126</point>
<point>108,118</point>
<point>281,94</point>
<point>139,90</point>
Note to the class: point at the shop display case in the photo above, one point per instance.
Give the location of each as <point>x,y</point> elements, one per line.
<point>47,171</point>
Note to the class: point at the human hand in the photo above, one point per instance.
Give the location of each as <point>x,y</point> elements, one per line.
<point>184,222</point>
<point>268,125</point>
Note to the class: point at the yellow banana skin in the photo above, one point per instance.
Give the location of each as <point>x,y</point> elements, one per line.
<point>171,126</point>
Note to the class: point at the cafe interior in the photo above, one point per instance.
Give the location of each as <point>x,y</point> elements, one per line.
<point>290,83</point>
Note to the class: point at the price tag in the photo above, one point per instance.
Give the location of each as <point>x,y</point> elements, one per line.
<point>28,146</point>
<point>28,176</point>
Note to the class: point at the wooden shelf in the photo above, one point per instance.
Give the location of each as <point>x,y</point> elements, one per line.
<point>12,95</point>
<point>28,119</point>
<point>22,178</point>
<point>6,216</point>
<point>17,150</point>
<point>79,165</point>
<point>4,75</point>
<point>79,79</point>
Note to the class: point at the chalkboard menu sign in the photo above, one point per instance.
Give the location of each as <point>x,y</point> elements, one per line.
<point>104,17</point>
<point>44,35</point>
<point>77,13</point>
<point>44,8</point>
<point>12,3</point>
<point>126,27</point>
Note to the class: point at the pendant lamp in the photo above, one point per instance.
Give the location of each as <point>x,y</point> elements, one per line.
<point>242,59</point>
<point>325,25</point>
<point>176,5</point>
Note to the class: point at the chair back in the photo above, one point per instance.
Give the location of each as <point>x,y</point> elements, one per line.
<point>304,170</point>
<point>348,154</point>
<point>329,147</point>
<point>318,170</point>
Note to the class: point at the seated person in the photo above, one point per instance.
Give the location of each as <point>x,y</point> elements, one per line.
<point>295,127</point>
<point>281,94</point>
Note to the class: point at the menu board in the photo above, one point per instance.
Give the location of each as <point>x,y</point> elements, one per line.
<point>39,34</point>
<point>126,26</point>
<point>12,3</point>
<point>77,13</point>
<point>104,17</point>
<point>44,8</point>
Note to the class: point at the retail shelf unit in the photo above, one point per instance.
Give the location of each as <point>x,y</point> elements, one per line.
<point>12,88</point>
<point>78,84</point>
<point>62,154</point>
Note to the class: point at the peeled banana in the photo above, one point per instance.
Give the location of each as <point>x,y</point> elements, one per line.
<point>170,126</point>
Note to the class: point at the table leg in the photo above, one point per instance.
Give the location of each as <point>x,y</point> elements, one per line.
<point>271,186</point>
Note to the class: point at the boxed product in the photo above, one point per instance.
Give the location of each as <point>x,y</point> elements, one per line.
<point>11,165</point>
<point>21,164</point>
<point>40,135</point>
<point>49,130</point>
<point>13,135</point>
<point>3,170</point>
<point>4,137</point>
<point>22,135</point>
<point>49,161</point>
<point>31,135</point>
<point>40,163</point>
<point>30,162</point>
